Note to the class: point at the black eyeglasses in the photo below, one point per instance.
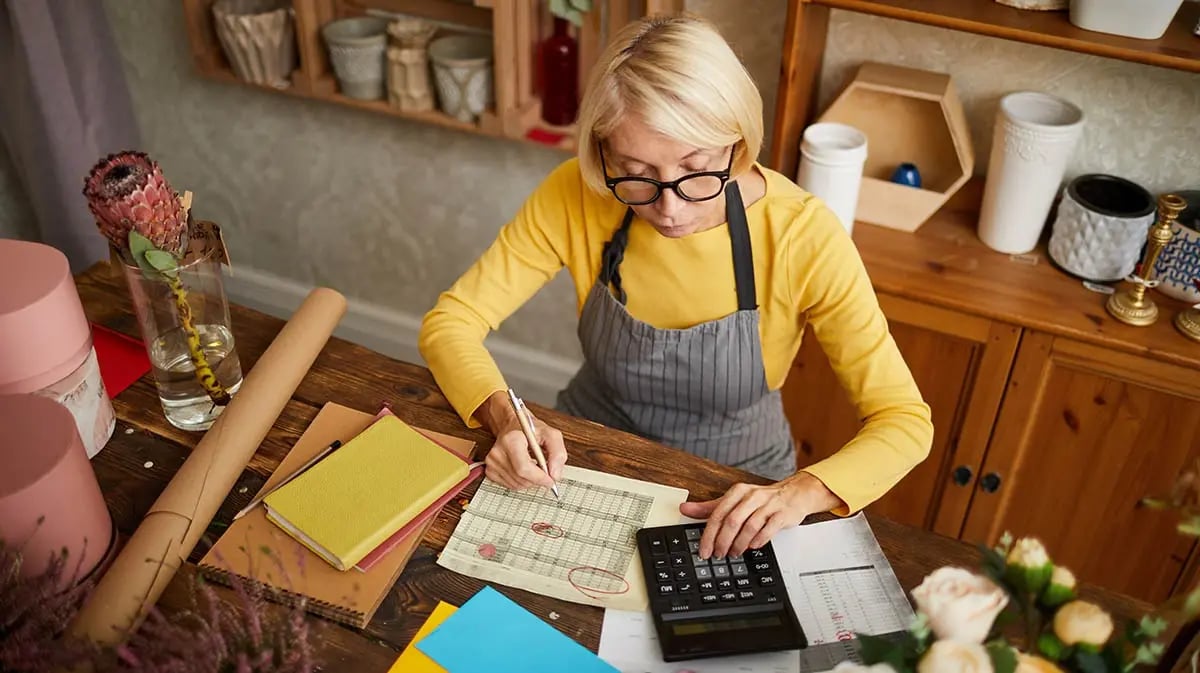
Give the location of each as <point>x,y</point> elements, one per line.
<point>639,191</point>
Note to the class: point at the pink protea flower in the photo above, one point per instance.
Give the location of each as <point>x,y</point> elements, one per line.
<point>127,191</point>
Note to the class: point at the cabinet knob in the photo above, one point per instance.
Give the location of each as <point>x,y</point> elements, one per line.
<point>990,482</point>
<point>962,475</point>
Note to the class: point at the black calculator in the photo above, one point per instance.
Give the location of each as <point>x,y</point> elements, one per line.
<point>714,607</point>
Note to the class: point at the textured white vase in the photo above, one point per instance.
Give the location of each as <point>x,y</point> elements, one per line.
<point>831,167</point>
<point>1142,19</point>
<point>1034,136</point>
<point>1101,225</point>
<point>463,73</point>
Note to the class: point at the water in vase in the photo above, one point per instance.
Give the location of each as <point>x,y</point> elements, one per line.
<point>184,401</point>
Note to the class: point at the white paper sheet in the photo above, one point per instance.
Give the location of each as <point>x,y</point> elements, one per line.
<point>839,582</point>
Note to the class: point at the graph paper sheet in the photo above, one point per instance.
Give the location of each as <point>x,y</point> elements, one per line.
<point>840,583</point>
<point>580,548</point>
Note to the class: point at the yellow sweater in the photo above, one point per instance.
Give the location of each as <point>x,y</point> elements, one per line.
<point>807,272</point>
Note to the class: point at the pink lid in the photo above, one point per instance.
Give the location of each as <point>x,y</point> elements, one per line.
<point>47,475</point>
<point>44,334</point>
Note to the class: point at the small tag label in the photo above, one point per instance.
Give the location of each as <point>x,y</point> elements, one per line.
<point>1097,287</point>
<point>206,240</point>
<point>1027,259</point>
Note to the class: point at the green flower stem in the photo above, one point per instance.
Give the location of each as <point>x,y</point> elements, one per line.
<point>204,372</point>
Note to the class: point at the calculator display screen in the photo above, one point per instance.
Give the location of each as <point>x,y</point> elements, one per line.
<point>715,625</point>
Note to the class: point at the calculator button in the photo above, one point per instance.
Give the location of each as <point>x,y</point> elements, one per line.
<point>684,588</point>
<point>666,589</point>
<point>664,576</point>
<point>708,599</point>
<point>746,595</point>
<point>739,570</point>
<point>720,570</point>
<point>675,542</point>
<point>657,546</point>
<point>771,598</point>
<point>697,561</point>
<point>742,582</point>
<point>678,560</point>
<point>707,585</point>
<point>728,596</point>
<point>681,604</point>
<point>660,563</point>
<point>694,546</point>
<point>725,585</point>
<point>681,575</point>
<point>703,572</point>
<point>761,566</point>
<point>766,580</point>
<point>692,533</point>
<point>755,554</point>
<point>736,559</point>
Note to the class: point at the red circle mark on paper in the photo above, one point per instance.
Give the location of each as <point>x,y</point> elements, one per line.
<point>588,591</point>
<point>487,550</point>
<point>547,529</point>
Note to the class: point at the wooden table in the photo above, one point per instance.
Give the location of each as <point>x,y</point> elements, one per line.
<point>145,451</point>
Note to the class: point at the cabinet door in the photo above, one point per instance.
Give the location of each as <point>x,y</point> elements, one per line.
<point>959,362</point>
<point>1083,435</point>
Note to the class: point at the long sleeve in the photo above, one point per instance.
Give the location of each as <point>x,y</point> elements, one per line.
<point>527,253</point>
<point>843,313</point>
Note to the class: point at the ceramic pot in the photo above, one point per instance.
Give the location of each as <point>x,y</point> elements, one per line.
<point>1034,137</point>
<point>1144,19</point>
<point>462,70</point>
<point>1178,266</point>
<point>408,64</point>
<point>832,156</point>
<point>1100,227</point>
<point>356,52</point>
<point>257,38</point>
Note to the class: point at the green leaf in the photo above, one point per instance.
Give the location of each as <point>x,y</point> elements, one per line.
<point>1191,527</point>
<point>1051,647</point>
<point>138,246</point>
<point>875,650</point>
<point>1149,653</point>
<point>1191,605</point>
<point>1152,627</point>
<point>162,261</point>
<point>1004,659</point>
<point>1090,662</point>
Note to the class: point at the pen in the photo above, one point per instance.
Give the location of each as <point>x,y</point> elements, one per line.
<point>527,425</point>
<point>312,461</point>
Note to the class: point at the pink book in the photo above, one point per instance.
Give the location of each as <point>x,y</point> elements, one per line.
<point>399,536</point>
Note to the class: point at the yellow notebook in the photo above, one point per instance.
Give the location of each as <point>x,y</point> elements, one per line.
<point>343,507</point>
<point>413,660</point>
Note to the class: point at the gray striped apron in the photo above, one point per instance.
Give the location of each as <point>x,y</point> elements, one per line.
<point>702,389</point>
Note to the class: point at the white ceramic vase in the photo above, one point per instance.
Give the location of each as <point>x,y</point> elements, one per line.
<point>1034,136</point>
<point>257,37</point>
<point>463,73</point>
<point>1100,227</point>
<point>1142,19</point>
<point>831,167</point>
<point>356,52</point>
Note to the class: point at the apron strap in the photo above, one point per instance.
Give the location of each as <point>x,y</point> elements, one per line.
<point>739,238</point>
<point>743,253</point>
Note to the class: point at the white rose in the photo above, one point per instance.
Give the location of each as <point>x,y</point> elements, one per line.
<point>1030,664</point>
<point>851,667</point>
<point>1028,552</point>
<point>960,605</point>
<point>1060,589</point>
<point>1063,577</point>
<point>1080,622</point>
<point>951,656</point>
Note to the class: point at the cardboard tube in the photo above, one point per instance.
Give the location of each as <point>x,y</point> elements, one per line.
<point>176,521</point>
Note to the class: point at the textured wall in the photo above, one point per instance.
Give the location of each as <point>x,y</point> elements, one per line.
<point>392,211</point>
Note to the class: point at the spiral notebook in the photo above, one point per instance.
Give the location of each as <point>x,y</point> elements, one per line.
<point>258,551</point>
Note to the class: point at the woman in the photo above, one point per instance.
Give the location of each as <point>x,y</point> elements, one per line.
<point>681,345</point>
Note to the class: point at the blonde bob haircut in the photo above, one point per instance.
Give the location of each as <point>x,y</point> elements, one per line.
<point>683,80</point>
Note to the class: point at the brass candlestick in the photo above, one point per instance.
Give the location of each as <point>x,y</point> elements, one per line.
<point>1187,321</point>
<point>1131,305</point>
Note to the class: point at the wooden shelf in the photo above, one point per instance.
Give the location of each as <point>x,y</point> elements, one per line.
<point>1178,48</point>
<point>945,264</point>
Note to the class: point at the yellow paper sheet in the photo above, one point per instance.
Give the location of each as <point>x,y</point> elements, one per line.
<point>412,660</point>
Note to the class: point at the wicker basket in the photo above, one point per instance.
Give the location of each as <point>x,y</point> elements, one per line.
<point>257,37</point>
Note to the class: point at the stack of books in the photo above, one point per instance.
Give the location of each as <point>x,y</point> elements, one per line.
<point>336,530</point>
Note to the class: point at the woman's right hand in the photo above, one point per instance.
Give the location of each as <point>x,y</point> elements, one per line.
<point>511,461</point>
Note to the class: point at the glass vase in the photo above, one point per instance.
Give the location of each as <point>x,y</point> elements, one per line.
<point>560,76</point>
<point>185,326</point>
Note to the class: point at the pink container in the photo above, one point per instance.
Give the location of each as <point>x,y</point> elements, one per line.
<point>47,476</point>
<point>45,339</point>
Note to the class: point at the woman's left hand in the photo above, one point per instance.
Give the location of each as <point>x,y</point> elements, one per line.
<point>748,516</point>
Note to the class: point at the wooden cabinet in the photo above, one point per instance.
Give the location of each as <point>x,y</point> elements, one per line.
<point>1083,435</point>
<point>960,363</point>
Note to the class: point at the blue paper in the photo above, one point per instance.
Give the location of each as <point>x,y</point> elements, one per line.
<point>492,634</point>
